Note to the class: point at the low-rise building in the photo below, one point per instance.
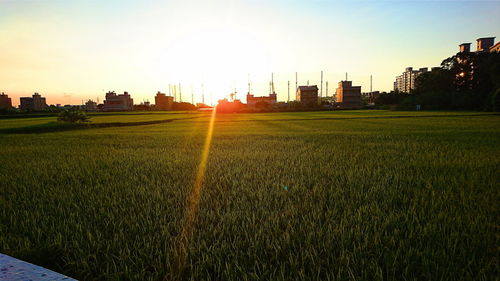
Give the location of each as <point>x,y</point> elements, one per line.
<point>348,96</point>
<point>265,100</point>
<point>35,103</point>
<point>308,95</point>
<point>5,101</point>
<point>371,96</point>
<point>163,102</point>
<point>405,82</point>
<point>114,102</point>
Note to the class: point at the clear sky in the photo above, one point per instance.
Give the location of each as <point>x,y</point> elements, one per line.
<point>71,51</point>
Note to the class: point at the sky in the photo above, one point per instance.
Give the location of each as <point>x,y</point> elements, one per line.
<point>71,51</point>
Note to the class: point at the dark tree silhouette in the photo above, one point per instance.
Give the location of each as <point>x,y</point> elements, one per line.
<point>72,116</point>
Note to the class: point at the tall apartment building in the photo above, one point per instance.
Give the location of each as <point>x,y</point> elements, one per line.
<point>308,95</point>
<point>163,102</point>
<point>406,81</point>
<point>5,101</point>
<point>347,95</point>
<point>35,103</point>
<point>485,44</point>
<point>114,102</point>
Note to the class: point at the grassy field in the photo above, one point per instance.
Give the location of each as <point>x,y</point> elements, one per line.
<point>351,195</point>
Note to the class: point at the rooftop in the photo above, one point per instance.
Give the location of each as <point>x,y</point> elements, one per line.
<point>308,88</point>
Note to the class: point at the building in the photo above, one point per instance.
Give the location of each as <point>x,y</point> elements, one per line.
<point>35,103</point>
<point>265,100</point>
<point>495,48</point>
<point>308,95</point>
<point>347,95</point>
<point>371,96</point>
<point>485,44</point>
<point>114,102</point>
<point>163,102</point>
<point>5,101</point>
<point>405,82</point>
<point>90,105</point>
<point>464,47</point>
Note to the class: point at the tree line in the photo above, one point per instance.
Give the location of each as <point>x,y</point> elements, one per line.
<point>465,81</point>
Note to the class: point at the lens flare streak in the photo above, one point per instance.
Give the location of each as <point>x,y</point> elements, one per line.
<point>179,260</point>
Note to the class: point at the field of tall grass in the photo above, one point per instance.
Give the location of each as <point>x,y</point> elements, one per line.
<point>351,195</point>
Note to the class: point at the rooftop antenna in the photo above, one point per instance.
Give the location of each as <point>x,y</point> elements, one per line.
<point>288,90</point>
<point>371,84</point>
<point>321,91</point>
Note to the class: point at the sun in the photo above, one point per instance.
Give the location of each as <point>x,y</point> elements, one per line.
<point>220,59</point>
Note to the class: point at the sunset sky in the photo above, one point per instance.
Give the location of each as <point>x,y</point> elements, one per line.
<point>71,51</point>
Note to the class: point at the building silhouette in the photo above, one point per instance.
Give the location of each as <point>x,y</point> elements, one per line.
<point>308,95</point>
<point>371,96</point>
<point>163,102</point>
<point>5,101</point>
<point>483,45</point>
<point>35,103</point>
<point>405,82</point>
<point>265,100</point>
<point>347,95</point>
<point>114,102</point>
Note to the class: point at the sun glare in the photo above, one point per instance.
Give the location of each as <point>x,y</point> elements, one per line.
<point>221,59</point>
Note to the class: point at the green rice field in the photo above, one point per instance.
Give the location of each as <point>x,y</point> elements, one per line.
<point>345,195</point>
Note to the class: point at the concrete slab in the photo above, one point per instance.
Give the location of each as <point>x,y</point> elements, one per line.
<point>12,269</point>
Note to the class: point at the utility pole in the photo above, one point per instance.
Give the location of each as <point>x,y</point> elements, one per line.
<point>272,82</point>
<point>192,95</point>
<point>202,94</point>
<point>288,90</point>
<point>327,88</point>
<point>180,93</point>
<point>346,76</point>
<point>175,92</point>
<point>321,91</point>
<point>249,89</point>
<point>371,84</point>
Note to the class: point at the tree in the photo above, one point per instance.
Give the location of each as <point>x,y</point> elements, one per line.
<point>467,80</point>
<point>73,115</point>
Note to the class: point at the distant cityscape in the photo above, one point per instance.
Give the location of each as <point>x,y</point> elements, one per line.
<point>346,95</point>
